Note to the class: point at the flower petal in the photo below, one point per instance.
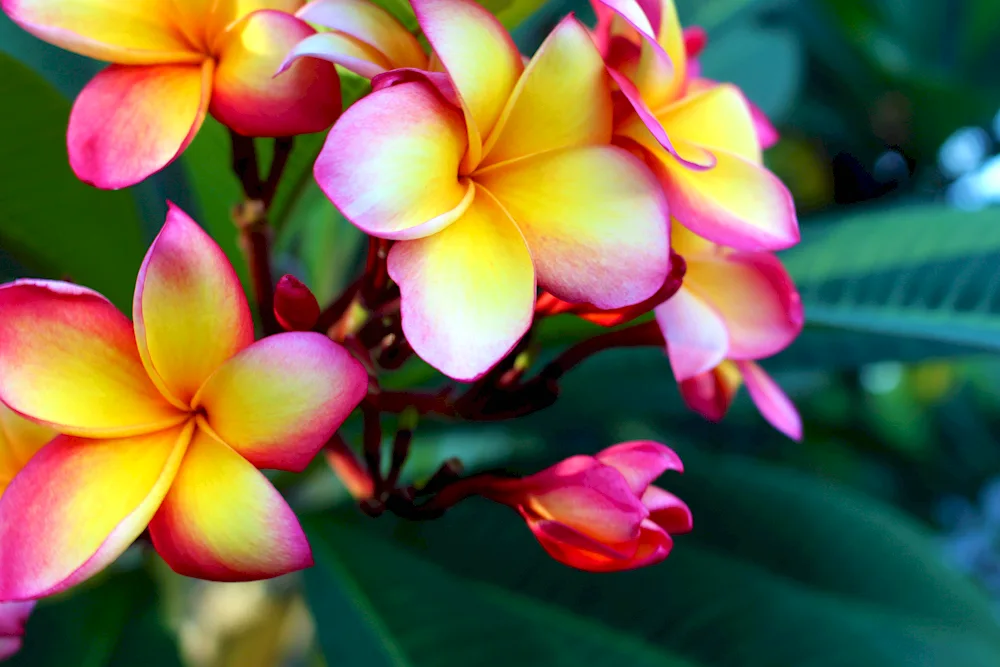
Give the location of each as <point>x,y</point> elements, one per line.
<point>563,99</point>
<point>595,220</point>
<point>342,50</point>
<point>718,118</point>
<point>736,203</point>
<point>277,402</point>
<point>13,617</point>
<point>367,165</point>
<point>574,549</point>
<point>78,504</point>
<point>467,292</point>
<point>711,393</point>
<point>477,53</point>
<point>189,309</point>
<point>223,521</point>
<point>667,511</point>
<point>772,402</point>
<point>69,359</point>
<point>697,340</point>
<point>251,100</point>
<point>754,296</point>
<point>138,32</point>
<point>20,439</point>
<point>130,122</point>
<point>640,462</point>
<point>658,83</point>
<point>370,24</point>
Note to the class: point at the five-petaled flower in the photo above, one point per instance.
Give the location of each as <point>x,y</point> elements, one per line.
<point>600,513</point>
<point>163,423</point>
<point>173,62</point>
<point>491,176</point>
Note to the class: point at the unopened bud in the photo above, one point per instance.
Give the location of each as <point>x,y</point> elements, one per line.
<point>295,307</point>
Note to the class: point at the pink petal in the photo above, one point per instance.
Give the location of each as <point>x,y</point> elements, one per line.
<point>189,309</point>
<point>223,521</point>
<point>772,402</point>
<point>248,98</point>
<point>667,511</point>
<point>367,165</point>
<point>468,291</point>
<point>696,335</point>
<point>131,121</point>
<point>278,401</point>
<point>711,393</point>
<point>341,50</point>
<point>640,462</point>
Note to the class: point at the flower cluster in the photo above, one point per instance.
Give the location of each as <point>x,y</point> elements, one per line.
<point>602,178</point>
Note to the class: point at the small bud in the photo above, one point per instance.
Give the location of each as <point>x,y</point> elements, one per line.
<point>295,307</point>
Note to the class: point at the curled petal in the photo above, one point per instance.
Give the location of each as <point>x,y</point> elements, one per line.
<point>563,99</point>
<point>69,360</point>
<point>130,122</point>
<point>754,296</point>
<point>342,50</point>
<point>223,521</point>
<point>772,402</point>
<point>467,292</point>
<point>659,84</point>
<point>20,439</point>
<point>667,511</point>
<point>368,23</point>
<point>477,53</point>
<point>78,504</point>
<point>248,98</point>
<point>594,219</point>
<point>696,335</point>
<point>138,32</point>
<point>640,462</point>
<point>277,402</point>
<point>711,393</point>
<point>367,165</point>
<point>189,309</point>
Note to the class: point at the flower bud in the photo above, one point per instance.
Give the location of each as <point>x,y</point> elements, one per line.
<point>13,616</point>
<point>295,307</point>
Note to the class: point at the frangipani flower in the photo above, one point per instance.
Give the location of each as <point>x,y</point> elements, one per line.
<point>164,425</point>
<point>13,616</point>
<point>492,176</point>
<point>700,138</point>
<point>360,36</point>
<point>173,62</point>
<point>711,393</point>
<point>601,513</point>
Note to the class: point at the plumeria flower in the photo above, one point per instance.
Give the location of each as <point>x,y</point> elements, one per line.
<point>492,176</point>
<point>701,138</point>
<point>13,616</point>
<point>173,62</point>
<point>164,422</point>
<point>711,393</point>
<point>600,513</point>
<point>360,36</point>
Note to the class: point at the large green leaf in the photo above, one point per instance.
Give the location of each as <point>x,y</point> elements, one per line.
<point>51,222</point>
<point>780,570</point>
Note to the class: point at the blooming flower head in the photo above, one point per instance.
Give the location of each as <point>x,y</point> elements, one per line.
<point>164,423</point>
<point>491,176</point>
<point>173,62</point>
<point>701,138</point>
<point>601,513</point>
<point>359,36</point>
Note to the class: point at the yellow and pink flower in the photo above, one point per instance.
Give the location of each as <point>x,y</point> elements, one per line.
<point>490,177</point>
<point>173,61</point>
<point>702,139</point>
<point>164,422</point>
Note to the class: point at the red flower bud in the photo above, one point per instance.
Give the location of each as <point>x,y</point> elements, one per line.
<point>601,513</point>
<point>295,307</point>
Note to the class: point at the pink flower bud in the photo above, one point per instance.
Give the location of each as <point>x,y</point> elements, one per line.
<point>601,513</point>
<point>294,305</point>
<point>13,616</point>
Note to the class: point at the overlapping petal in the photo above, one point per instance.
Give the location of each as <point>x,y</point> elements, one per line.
<point>711,393</point>
<point>477,53</point>
<point>467,292</point>
<point>342,50</point>
<point>20,439</point>
<point>390,164</point>
<point>563,99</point>
<point>222,520</point>
<point>717,118</point>
<point>13,617</point>
<point>640,462</point>
<point>69,359</point>
<point>78,504</point>
<point>667,510</point>
<point>246,95</point>
<point>369,24</point>
<point>696,334</point>
<point>137,32</point>
<point>595,220</point>
<point>772,402</point>
<point>130,122</point>
<point>189,309</point>
<point>277,402</point>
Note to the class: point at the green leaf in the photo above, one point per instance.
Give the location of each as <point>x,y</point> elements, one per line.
<point>113,623</point>
<point>53,224</point>
<point>922,272</point>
